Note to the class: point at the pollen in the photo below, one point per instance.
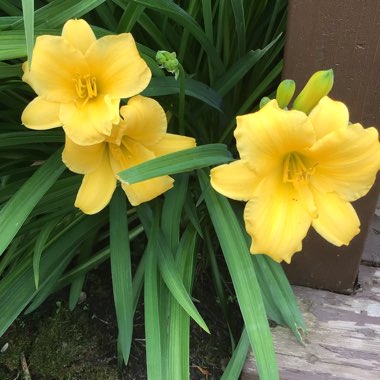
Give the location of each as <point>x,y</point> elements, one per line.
<point>85,87</point>
<point>296,169</point>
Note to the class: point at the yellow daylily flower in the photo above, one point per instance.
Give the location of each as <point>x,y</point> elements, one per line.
<point>80,80</point>
<point>139,136</point>
<point>297,171</point>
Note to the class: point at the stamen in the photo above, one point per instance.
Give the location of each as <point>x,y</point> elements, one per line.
<point>85,87</point>
<point>295,170</point>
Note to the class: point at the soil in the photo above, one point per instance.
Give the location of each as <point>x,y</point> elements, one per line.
<point>54,343</point>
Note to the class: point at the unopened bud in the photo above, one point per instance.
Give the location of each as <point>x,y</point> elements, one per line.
<point>318,86</point>
<point>264,101</point>
<point>285,92</point>
<point>168,61</point>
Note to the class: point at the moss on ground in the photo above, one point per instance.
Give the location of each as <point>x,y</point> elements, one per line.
<point>65,346</point>
<point>81,345</point>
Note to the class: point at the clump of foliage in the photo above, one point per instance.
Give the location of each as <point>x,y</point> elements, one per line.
<point>229,56</point>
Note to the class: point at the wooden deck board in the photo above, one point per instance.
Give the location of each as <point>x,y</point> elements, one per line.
<point>343,341</point>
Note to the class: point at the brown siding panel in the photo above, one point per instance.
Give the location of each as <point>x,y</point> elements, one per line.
<point>343,35</point>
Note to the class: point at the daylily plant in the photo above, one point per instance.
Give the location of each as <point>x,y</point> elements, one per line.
<point>80,80</point>
<point>139,136</point>
<point>296,171</point>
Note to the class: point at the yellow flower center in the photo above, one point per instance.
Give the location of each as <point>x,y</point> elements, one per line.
<point>296,169</point>
<point>85,87</point>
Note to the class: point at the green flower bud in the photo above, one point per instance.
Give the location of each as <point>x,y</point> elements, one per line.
<point>161,57</point>
<point>318,86</point>
<point>168,61</point>
<point>264,101</point>
<point>285,92</point>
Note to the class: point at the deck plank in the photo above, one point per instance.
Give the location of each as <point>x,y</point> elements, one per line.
<point>343,341</point>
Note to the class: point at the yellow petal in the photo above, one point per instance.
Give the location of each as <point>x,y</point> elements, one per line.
<point>264,137</point>
<point>41,114</point>
<point>117,66</point>
<point>91,123</point>
<point>144,191</point>
<point>347,161</point>
<point>235,180</point>
<point>82,159</point>
<point>79,34</point>
<point>54,65</point>
<point>337,221</point>
<point>172,143</point>
<point>97,188</point>
<point>144,120</point>
<point>130,154</point>
<point>276,219</point>
<point>328,116</point>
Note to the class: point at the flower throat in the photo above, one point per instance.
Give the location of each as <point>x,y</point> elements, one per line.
<point>295,170</point>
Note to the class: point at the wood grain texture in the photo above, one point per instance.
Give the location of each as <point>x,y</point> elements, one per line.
<point>343,341</point>
<point>343,35</point>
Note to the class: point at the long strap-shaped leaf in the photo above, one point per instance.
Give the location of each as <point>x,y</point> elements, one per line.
<point>243,276</point>
<point>28,17</point>
<point>151,307</point>
<point>177,162</point>
<point>168,269</point>
<point>121,271</point>
<point>17,209</point>
<point>179,324</point>
<point>172,10</point>
<point>236,363</point>
<point>17,289</point>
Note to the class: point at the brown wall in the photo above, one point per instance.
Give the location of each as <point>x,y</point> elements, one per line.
<point>343,35</point>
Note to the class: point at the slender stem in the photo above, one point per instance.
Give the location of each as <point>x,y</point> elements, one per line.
<point>181,111</point>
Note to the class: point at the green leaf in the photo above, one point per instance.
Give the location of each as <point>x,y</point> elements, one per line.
<point>233,75</point>
<point>169,86</point>
<point>236,363</point>
<point>9,71</point>
<point>57,12</point>
<point>31,137</point>
<point>9,7</point>
<point>178,162</point>
<point>256,93</point>
<point>241,269</point>
<point>17,287</point>
<point>238,9</point>
<point>207,19</point>
<point>218,284</point>
<point>168,269</point>
<point>179,322</point>
<point>17,209</point>
<point>77,285</point>
<point>130,16</point>
<point>282,294</point>
<point>39,246</point>
<point>94,261</point>
<point>28,17</point>
<point>121,270</point>
<point>174,11</point>
<point>172,210</point>
<point>151,306</point>
<point>191,213</point>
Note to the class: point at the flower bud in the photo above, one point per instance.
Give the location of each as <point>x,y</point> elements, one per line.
<point>318,86</point>
<point>168,61</point>
<point>264,101</point>
<point>285,92</point>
